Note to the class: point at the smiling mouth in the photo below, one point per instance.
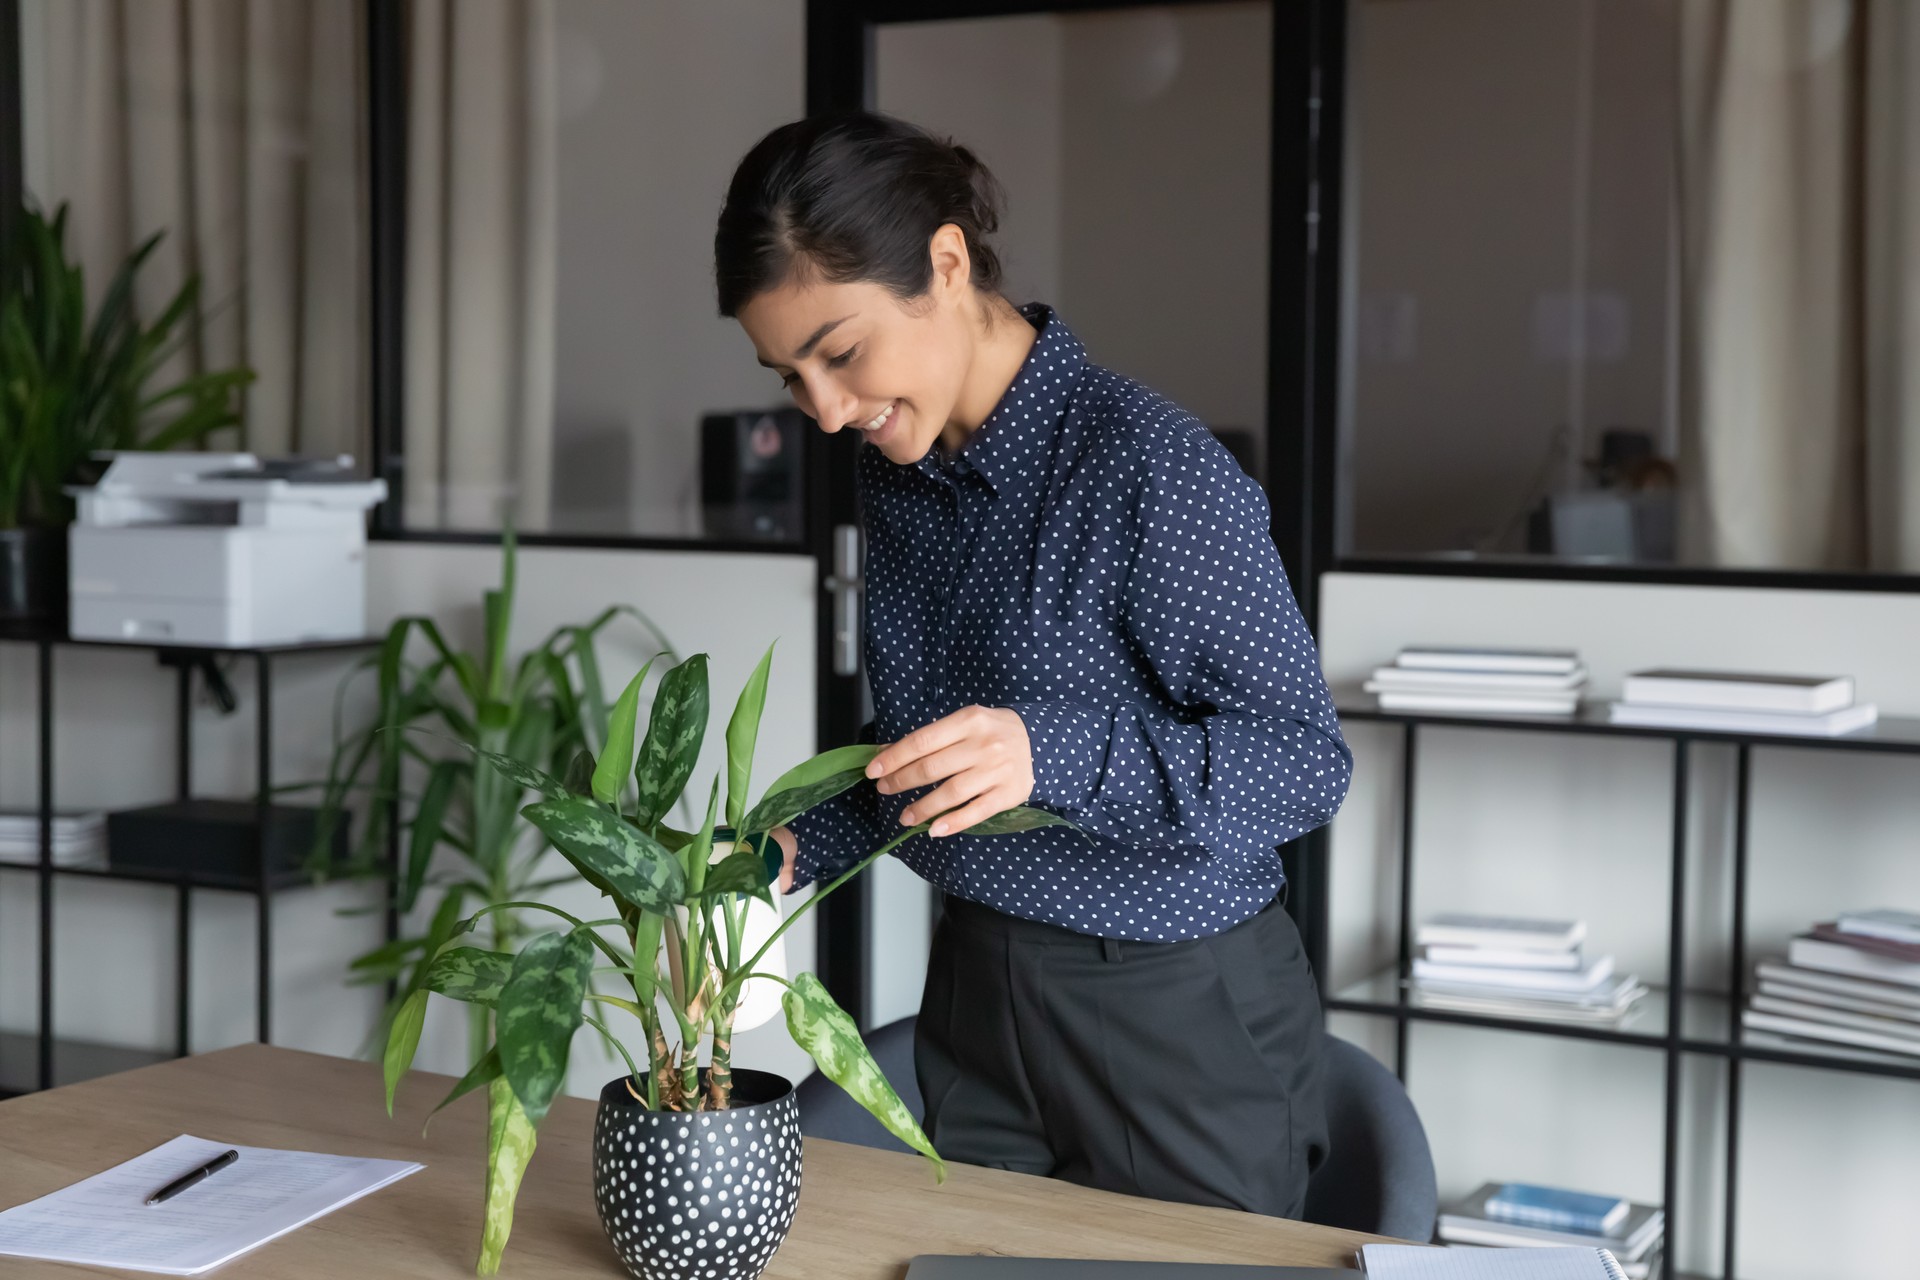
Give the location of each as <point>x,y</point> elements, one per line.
<point>880,420</point>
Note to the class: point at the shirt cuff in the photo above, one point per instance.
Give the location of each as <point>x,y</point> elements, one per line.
<point>1069,745</point>
<point>830,840</point>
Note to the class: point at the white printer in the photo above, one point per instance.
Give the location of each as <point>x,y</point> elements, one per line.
<point>221,549</point>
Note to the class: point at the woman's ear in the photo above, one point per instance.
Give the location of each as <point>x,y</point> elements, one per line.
<point>952,267</point>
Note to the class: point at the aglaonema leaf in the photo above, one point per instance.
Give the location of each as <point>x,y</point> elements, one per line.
<point>743,731</point>
<point>830,1037</point>
<point>675,730</point>
<point>579,779</point>
<point>514,770</point>
<point>403,1039</point>
<point>510,1139</point>
<point>617,857</point>
<point>806,785</point>
<point>610,775</point>
<point>537,1013</point>
<point>470,974</point>
<point>1020,818</point>
<point>485,1071</point>
<point>742,871</point>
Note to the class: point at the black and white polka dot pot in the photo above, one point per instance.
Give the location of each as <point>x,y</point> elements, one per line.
<point>702,1195</point>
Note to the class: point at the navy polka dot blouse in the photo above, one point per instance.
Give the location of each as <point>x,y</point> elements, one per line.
<point>1096,561</point>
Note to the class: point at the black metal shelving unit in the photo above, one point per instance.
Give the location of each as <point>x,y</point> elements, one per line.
<point>57,1061</point>
<point>1703,1023</point>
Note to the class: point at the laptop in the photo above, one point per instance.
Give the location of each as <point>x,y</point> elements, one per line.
<point>994,1267</point>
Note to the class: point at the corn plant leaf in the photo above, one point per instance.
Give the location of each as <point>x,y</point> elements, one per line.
<point>617,858</point>
<point>676,727</point>
<point>429,822</point>
<point>403,1039</point>
<point>485,1071</point>
<point>1020,818</point>
<point>538,1012</point>
<point>743,731</point>
<point>806,785</point>
<point>510,1139</point>
<point>610,775</point>
<point>830,1037</point>
<point>470,974</point>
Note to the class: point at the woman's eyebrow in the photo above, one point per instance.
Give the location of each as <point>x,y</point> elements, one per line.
<point>806,348</point>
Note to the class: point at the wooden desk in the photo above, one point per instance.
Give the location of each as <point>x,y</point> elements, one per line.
<point>863,1213</point>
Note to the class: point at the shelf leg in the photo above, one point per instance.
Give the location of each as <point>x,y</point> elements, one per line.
<point>45,697</point>
<point>1676,997</point>
<point>263,678</point>
<point>1736,994</point>
<point>183,782</point>
<point>1400,1031</point>
<point>183,969</point>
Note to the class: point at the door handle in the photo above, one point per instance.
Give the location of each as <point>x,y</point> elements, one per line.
<point>847,587</point>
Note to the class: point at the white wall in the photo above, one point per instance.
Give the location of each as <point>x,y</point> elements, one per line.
<point>114,747</point>
<point>1554,824</point>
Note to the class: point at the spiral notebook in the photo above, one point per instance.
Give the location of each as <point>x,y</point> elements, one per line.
<point>1418,1262</point>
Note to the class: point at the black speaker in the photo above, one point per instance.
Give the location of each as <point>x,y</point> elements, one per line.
<point>753,474</point>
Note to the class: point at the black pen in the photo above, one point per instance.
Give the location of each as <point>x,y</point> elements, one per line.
<point>186,1180</point>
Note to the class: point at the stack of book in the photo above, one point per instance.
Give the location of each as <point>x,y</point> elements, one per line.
<point>1742,702</point>
<point>1523,1215</point>
<point>79,839</point>
<point>1481,681</point>
<point>1853,981</point>
<point>1514,968</point>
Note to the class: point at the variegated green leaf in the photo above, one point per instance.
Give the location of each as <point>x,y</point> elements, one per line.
<point>470,974</point>
<point>809,783</point>
<point>830,1037</point>
<point>675,729</point>
<point>579,779</point>
<point>743,731</point>
<point>742,871</point>
<point>1022,818</point>
<point>485,1071</point>
<point>402,1040</point>
<point>519,771</point>
<point>537,1014</point>
<point>510,1139</point>
<point>610,775</point>
<point>617,857</point>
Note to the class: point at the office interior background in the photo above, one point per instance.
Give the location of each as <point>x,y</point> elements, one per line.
<point>1572,324</point>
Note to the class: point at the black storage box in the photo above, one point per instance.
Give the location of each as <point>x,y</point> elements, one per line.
<point>213,841</point>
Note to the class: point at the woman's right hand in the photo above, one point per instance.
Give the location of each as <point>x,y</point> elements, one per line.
<point>789,846</point>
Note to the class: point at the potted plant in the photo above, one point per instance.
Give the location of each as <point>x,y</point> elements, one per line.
<point>696,1163</point>
<point>70,388</point>
<point>543,708</point>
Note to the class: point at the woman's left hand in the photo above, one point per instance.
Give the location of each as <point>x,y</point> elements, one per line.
<point>980,755</point>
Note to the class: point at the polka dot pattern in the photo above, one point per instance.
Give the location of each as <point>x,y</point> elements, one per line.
<point>1095,560</point>
<point>705,1195</point>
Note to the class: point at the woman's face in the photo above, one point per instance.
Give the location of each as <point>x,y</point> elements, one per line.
<point>856,358</point>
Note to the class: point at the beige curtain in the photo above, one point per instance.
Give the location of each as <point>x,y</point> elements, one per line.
<point>237,128</point>
<point>1799,204</point>
<point>481,261</point>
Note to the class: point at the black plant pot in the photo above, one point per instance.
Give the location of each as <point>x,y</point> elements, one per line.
<point>703,1195</point>
<point>33,576</point>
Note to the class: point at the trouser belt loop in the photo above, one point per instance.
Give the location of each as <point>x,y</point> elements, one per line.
<point>1111,946</point>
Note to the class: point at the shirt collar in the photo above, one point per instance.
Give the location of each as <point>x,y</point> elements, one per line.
<point>1012,446</point>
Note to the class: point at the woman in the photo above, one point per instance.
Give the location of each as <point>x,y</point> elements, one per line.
<point>1074,602</point>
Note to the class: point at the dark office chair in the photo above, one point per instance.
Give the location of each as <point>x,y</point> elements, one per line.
<point>826,1111</point>
<point>1378,1176</point>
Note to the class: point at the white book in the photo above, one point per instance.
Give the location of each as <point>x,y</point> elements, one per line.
<point>1530,980</point>
<point>1420,1262</point>
<point>1448,658</point>
<point>1838,957</point>
<point>1609,1014</point>
<point>1464,929</point>
<point>1808,1029</point>
<point>1504,958</point>
<point>1738,691</point>
<point>1632,1241</point>
<point>1422,680</point>
<point>1614,994</point>
<point>104,1221</point>
<point>1519,704</point>
<point>1884,922</point>
<point>1835,1000</point>
<point>1830,724</point>
<point>1838,1017</point>
<point>1861,988</point>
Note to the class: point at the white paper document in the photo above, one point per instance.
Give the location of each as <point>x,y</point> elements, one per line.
<point>105,1220</point>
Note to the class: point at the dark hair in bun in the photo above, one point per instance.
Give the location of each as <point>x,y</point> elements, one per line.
<point>851,196</point>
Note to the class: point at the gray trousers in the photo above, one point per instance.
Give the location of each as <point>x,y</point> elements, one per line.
<point>1185,1071</point>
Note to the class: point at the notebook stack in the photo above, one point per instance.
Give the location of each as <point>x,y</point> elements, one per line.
<point>1524,1215</point>
<point>1742,702</point>
<point>1514,968</point>
<point>1481,681</point>
<point>1853,981</point>
<point>79,839</point>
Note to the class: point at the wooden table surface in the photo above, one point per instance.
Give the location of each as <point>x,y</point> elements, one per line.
<point>864,1214</point>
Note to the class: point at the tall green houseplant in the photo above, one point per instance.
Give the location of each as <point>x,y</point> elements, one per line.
<point>674,944</point>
